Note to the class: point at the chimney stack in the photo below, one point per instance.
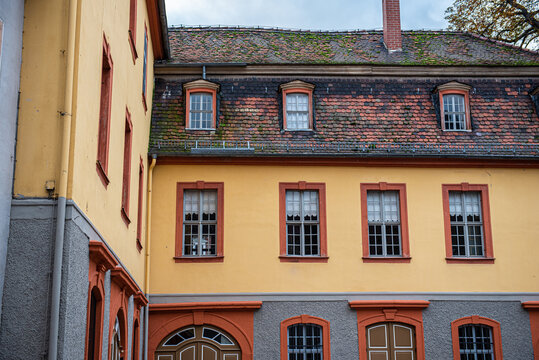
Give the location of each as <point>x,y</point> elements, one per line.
<point>392,25</point>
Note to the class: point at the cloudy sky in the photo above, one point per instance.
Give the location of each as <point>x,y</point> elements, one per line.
<point>305,14</point>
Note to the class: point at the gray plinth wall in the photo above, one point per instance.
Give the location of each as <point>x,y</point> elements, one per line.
<point>11,16</point>
<point>24,329</point>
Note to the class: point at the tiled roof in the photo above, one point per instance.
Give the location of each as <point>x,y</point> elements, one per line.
<point>352,116</point>
<point>277,46</point>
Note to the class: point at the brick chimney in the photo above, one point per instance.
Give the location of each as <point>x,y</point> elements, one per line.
<point>392,25</point>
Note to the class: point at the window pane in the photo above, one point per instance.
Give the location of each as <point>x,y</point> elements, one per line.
<point>297,111</point>
<point>384,223</point>
<point>302,223</point>
<point>454,112</point>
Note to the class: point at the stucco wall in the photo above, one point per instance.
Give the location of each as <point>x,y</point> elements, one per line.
<point>343,327</point>
<point>437,318</point>
<point>514,322</point>
<point>24,329</point>
<point>11,14</point>
<point>251,232</point>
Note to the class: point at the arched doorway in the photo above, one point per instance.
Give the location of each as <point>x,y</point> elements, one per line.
<point>200,342</point>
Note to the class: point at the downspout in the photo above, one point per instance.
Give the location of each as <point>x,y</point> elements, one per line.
<point>147,267</point>
<point>62,186</point>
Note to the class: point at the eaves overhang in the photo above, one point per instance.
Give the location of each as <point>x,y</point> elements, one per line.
<point>488,71</point>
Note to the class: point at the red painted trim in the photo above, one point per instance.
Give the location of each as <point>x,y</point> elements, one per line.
<point>132,32</point>
<point>306,319</point>
<point>101,255</point>
<point>485,210</point>
<point>403,210</point>
<point>188,93</point>
<point>194,259</point>
<point>302,185</point>
<point>304,259</point>
<point>140,203</point>
<point>229,305</point>
<point>309,93</point>
<point>140,299</point>
<point>199,185</point>
<point>126,178</point>
<point>394,304</point>
<point>350,161</point>
<point>136,335</point>
<point>474,319</point>
<point>104,113</point>
<point>403,311</point>
<point>238,322</point>
<point>100,260</point>
<point>118,308</point>
<point>466,105</point>
<point>119,276</point>
<point>533,311</point>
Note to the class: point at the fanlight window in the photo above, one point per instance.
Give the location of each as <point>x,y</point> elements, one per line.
<point>180,337</point>
<point>198,342</point>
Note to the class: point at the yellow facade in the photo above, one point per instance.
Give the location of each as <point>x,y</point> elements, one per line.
<point>41,105</point>
<point>251,232</point>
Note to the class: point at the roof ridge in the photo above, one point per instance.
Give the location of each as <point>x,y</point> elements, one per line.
<point>535,52</point>
<point>266,29</point>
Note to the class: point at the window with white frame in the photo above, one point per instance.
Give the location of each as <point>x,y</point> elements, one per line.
<point>454,112</point>
<point>297,111</point>
<point>384,223</point>
<point>201,111</point>
<point>475,342</point>
<point>199,222</point>
<point>302,223</point>
<point>466,223</point>
<point>305,342</point>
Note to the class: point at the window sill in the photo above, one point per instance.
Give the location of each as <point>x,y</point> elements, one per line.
<point>456,260</point>
<point>206,129</point>
<point>300,130</point>
<point>125,217</point>
<point>400,259</point>
<point>305,259</point>
<point>132,45</point>
<point>102,174</point>
<point>467,131</point>
<point>212,259</point>
<point>144,105</point>
<point>139,245</point>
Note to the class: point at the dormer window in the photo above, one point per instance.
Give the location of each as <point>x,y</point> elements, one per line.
<point>455,106</point>
<point>201,105</point>
<point>297,106</point>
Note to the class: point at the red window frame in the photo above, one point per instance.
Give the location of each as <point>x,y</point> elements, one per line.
<point>145,70</point>
<point>485,212</point>
<point>104,114</point>
<point>132,32</point>
<point>403,210</point>
<point>126,177</point>
<point>306,319</point>
<point>408,312</point>
<point>303,185</point>
<point>199,185</point>
<point>140,203</point>
<point>309,93</point>
<point>213,93</point>
<point>466,95</point>
<point>477,320</point>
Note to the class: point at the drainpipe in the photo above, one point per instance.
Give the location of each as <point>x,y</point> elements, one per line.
<point>147,267</point>
<point>62,186</point>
